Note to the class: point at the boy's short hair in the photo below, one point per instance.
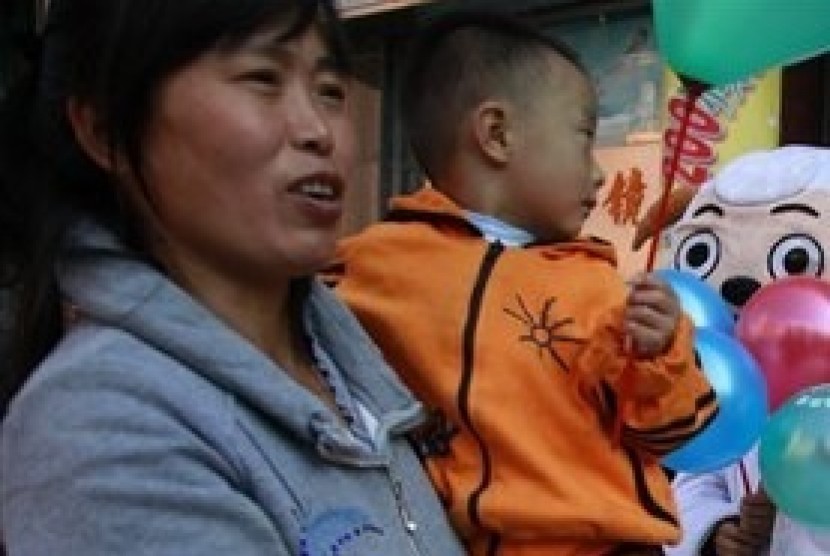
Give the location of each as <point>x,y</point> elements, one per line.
<point>460,60</point>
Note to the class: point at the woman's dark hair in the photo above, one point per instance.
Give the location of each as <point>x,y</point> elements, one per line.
<point>112,55</point>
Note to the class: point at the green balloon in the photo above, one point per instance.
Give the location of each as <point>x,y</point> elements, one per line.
<point>794,457</point>
<point>723,41</point>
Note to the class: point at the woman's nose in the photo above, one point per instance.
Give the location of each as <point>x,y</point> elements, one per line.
<point>310,129</point>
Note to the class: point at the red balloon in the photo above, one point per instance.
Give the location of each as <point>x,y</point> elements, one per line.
<point>786,327</point>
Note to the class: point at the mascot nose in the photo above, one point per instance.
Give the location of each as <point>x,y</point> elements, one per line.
<point>738,289</point>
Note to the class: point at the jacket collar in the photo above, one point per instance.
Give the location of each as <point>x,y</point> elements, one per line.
<point>111,285</point>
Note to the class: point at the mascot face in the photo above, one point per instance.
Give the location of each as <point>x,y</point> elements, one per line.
<point>764,217</point>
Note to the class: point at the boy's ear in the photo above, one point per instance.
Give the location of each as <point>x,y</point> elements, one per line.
<point>88,133</point>
<point>492,131</point>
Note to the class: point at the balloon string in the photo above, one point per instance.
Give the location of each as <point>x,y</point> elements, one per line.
<point>694,90</point>
<point>745,478</point>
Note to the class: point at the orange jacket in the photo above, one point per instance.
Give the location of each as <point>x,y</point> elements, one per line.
<point>520,349</point>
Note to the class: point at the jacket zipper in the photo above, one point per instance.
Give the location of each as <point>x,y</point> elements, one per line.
<point>494,251</point>
<point>409,524</point>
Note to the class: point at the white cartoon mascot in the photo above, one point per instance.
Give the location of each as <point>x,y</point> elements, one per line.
<point>765,216</point>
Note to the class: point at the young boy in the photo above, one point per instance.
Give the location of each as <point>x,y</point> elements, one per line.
<point>512,329</point>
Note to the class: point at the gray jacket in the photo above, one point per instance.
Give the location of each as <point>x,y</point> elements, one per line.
<point>154,429</point>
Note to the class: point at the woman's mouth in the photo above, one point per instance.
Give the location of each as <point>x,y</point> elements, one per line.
<point>321,197</point>
<point>320,191</point>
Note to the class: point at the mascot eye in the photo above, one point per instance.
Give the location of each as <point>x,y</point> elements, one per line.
<point>796,255</point>
<point>698,254</point>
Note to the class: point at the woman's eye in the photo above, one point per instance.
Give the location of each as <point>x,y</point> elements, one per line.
<point>333,91</point>
<point>262,77</point>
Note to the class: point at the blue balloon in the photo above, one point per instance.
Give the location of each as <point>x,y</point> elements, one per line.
<point>742,406</point>
<point>794,457</point>
<point>704,306</point>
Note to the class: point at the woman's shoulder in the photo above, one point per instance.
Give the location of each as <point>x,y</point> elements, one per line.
<point>99,373</point>
<point>102,354</point>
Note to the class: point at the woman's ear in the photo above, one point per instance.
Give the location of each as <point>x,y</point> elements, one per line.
<point>492,132</point>
<point>88,133</point>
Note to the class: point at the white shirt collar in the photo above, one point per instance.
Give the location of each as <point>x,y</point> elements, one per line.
<point>494,230</point>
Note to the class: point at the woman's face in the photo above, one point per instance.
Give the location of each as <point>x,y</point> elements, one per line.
<point>246,159</point>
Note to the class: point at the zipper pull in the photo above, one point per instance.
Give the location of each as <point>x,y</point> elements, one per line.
<point>409,524</point>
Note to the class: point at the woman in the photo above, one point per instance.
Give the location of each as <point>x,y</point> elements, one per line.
<point>175,174</point>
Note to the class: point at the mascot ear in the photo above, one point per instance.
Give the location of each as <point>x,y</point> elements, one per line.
<point>679,199</point>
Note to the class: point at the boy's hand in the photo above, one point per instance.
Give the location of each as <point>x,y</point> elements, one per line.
<point>752,533</point>
<point>651,315</point>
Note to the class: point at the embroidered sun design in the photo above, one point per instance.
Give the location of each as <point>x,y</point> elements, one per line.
<point>545,332</point>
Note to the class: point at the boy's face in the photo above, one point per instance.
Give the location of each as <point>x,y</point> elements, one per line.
<point>553,177</point>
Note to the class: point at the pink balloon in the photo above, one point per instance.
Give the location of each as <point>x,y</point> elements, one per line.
<point>786,327</point>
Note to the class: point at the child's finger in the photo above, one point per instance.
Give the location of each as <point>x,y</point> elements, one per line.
<point>645,280</point>
<point>651,317</point>
<point>637,279</point>
<point>655,298</point>
<point>647,341</point>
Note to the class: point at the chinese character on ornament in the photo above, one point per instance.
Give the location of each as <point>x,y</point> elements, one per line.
<point>626,197</point>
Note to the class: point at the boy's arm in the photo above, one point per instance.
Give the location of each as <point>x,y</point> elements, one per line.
<point>663,401</point>
<point>668,399</point>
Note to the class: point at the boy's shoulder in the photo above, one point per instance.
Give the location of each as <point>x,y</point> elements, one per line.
<point>413,217</point>
<point>589,249</point>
